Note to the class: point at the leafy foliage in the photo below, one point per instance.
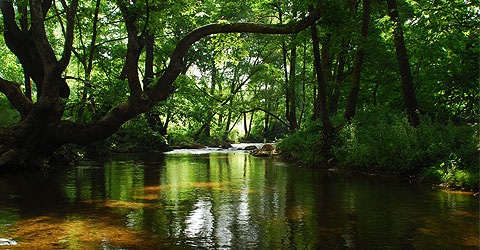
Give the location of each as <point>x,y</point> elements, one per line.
<point>384,141</point>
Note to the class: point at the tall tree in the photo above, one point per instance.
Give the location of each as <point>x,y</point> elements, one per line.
<point>357,68</point>
<point>322,99</point>
<point>408,88</point>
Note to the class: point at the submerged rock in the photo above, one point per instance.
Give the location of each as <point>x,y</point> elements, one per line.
<point>251,147</point>
<point>266,150</point>
<point>226,146</point>
<point>188,146</point>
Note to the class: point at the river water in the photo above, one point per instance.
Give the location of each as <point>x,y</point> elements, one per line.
<point>214,199</point>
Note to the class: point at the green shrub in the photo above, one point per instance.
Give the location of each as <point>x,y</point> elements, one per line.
<point>136,135</point>
<point>304,145</point>
<point>9,115</point>
<point>180,137</point>
<point>384,141</point>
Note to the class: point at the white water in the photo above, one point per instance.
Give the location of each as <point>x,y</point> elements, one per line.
<point>237,147</point>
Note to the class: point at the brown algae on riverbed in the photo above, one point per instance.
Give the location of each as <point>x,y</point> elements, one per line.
<point>73,232</point>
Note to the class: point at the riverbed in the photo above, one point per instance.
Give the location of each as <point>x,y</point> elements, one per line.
<point>226,199</point>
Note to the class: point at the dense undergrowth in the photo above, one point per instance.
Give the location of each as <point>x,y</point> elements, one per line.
<point>384,142</point>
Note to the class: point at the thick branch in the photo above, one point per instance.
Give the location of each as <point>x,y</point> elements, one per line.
<point>134,49</point>
<point>70,132</point>
<point>94,37</point>
<point>9,18</point>
<point>163,85</point>
<point>67,49</point>
<point>16,97</point>
<point>269,113</point>
<point>39,34</point>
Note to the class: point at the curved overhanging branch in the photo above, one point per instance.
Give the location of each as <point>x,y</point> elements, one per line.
<point>163,85</point>
<point>70,132</point>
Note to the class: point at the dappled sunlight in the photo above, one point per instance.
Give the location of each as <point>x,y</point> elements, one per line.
<point>237,190</point>
<point>448,191</point>
<point>465,235</point>
<point>186,184</point>
<point>147,197</point>
<point>427,231</point>
<point>471,240</point>
<point>52,231</point>
<point>206,184</point>
<point>155,188</point>
<point>214,157</point>
<point>297,213</point>
<point>119,204</point>
<point>467,214</point>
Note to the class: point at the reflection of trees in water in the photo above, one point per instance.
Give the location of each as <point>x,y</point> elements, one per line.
<point>235,201</point>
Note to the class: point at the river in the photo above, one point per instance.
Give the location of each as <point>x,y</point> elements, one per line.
<point>211,199</point>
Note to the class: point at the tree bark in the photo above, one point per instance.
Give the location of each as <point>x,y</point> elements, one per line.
<point>89,65</point>
<point>357,68</point>
<point>408,88</point>
<point>291,86</point>
<point>321,95</point>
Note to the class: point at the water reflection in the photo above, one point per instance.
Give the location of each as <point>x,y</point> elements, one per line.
<point>227,201</point>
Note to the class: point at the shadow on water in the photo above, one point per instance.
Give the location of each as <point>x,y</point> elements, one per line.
<point>226,200</point>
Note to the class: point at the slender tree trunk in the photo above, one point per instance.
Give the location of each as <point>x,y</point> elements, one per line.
<point>89,65</point>
<point>229,120</point>
<point>290,105</point>
<point>291,86</point>
<point>340,74</point>
<point>322,99</point>
<point>357,68</point>
<point>212,92</point>
<point>304,70</point>
<point>325,57</point>
<point>408,88</point>
<point>250,124</point>
<point>267,106</point>
<point>316,104</point>
<point>333,101</point>
<point>245,128</point>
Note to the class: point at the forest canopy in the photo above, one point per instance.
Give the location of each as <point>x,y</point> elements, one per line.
<point>213,71</point>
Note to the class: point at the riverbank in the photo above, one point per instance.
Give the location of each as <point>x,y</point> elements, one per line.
<point>432,153</point>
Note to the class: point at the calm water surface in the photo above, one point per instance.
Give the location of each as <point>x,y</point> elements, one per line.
<point>227,200</point>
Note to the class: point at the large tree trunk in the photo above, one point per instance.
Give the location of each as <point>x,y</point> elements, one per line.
<point>357,68</point>
<point>408,88</point>
<point>42,131</point>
